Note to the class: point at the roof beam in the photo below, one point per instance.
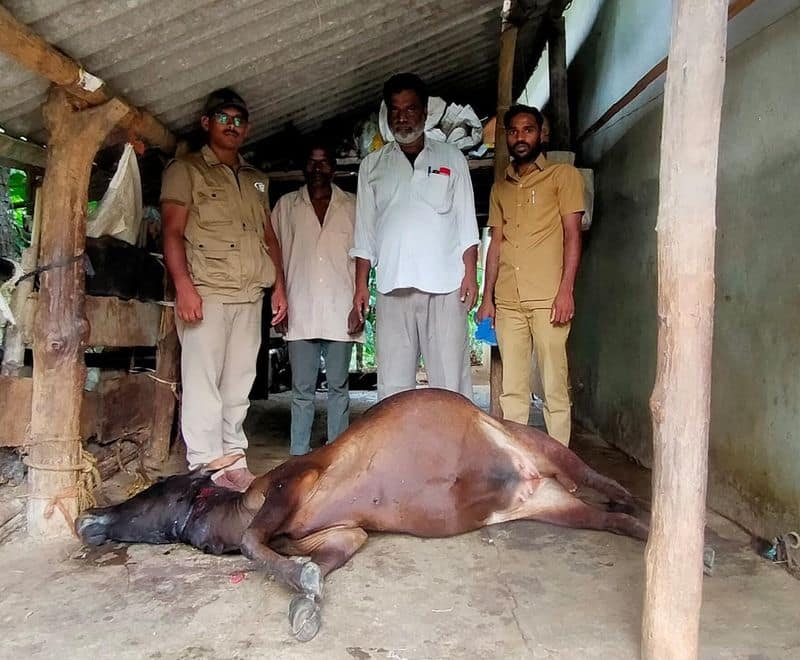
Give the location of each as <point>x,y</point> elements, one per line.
<point>18,152</point>
<point>27,48</point>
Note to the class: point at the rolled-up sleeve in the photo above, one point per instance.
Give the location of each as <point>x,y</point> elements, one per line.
<point>364,242</point>
<point>464,206</point>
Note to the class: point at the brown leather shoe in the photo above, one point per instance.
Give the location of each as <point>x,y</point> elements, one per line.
<point>238,479</point>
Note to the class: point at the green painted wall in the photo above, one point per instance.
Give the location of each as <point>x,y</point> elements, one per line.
<point>755,426</point>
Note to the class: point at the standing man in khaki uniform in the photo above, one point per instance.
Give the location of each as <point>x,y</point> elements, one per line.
<point>221,252</point>
<point>315,228</point>
<point>535,222</point>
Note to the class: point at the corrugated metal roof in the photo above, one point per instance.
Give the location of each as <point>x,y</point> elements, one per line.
<point>299,62</point>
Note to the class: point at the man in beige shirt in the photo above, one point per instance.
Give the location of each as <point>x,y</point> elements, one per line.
<point>534,219</point>
<point>221,252</point>
<point>314,226</point>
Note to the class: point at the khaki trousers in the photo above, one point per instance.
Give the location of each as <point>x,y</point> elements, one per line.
<point>218,367</point>
<point>410,323</point>
<point>521,329</point>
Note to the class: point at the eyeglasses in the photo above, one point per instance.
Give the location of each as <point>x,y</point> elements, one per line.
<point>224,118</point>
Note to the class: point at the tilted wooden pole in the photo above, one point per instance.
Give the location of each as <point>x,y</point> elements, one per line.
<point>54,447</point>
<point>681,398</point>
<point>505,76</point>
<point>166,389</point>
<point>22,44</point>
<point>560,137</point>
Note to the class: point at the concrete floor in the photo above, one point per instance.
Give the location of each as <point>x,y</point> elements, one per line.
<point>519,590</point>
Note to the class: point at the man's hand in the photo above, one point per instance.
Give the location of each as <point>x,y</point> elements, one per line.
<point>563,308</point>
<point>469,290</point>
<point>355,322</point>
<point>486,311</point>
<point>280,305</point>
<point>360,305</point>
<point>188,303</point>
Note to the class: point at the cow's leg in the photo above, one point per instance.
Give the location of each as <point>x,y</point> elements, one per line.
<point>565,466</point>
<point>280,500</point>
<point>552,503</point>
<point>329,549</point>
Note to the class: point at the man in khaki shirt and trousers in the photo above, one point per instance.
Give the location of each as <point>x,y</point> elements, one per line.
<point>221,252</point>
<point>534,219</point>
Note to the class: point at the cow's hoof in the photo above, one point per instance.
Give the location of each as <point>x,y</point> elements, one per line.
<point>304,617</point>
<point>91,528</point>
<point>311,579</point>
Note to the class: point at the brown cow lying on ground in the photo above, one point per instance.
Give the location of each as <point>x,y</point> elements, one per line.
<point>425,462</point>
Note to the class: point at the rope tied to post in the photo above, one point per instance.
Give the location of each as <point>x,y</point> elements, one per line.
<point>83,491</point>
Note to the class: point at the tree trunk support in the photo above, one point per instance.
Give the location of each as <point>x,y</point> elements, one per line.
<point>59,474</point>
<point>505,75</point>
<point>560,137</point>
<point>681,397</point>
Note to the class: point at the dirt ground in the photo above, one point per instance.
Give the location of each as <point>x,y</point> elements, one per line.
<point>518,590</point>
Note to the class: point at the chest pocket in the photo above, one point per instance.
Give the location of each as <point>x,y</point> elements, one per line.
<point>434,190</point>
<point>213,207</point>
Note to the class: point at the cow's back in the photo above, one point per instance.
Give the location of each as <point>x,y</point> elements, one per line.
<point>426,462</point>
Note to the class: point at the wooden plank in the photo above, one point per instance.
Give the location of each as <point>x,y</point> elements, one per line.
<point>113,322</point>
<point>15,152</point>
<point>120,323</point>
<point>22,44</point>
<point>15,410</point>
<point>680,404</point>
<point>120,406</point>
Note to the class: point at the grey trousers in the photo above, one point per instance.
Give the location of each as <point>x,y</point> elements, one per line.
<point>434,325</point>
<point>304,355</point>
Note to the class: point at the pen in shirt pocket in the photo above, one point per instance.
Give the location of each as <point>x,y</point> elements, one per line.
<point>429,170</point>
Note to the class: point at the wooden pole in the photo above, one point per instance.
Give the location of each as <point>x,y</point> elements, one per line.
<point>60,330</point>
<point>165,391</point>
<point>22,44</point>
<point>560,136</point>
<point>505,75</point>
<point>681,397</point>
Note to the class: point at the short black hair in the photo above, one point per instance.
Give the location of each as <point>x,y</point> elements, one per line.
<point>519,109</point>
<point>401,82</point>
<point>317,142</point>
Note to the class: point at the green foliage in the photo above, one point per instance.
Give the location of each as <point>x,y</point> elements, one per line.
<point>18,198</point>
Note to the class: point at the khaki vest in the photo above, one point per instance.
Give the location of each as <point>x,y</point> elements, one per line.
<point>225,250</point>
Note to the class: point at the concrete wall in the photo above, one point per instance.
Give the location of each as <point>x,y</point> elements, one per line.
<point>755,429</point>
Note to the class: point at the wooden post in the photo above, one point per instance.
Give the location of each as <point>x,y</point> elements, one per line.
<point>505,75</point>
<point>681,398</point>
<point>560,138</point>
<point>60,329</point>
<point>165,391</point>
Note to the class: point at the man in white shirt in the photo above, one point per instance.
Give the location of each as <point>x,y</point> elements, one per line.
<point>415,222</point>
<point>314,226</point>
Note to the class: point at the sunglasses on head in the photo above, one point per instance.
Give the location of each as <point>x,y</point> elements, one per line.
<point>224,119</point>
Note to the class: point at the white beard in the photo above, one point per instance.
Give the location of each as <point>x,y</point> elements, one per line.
<point>408,138</point>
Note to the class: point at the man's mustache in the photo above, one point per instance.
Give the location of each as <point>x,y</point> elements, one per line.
<point>521,144</point>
